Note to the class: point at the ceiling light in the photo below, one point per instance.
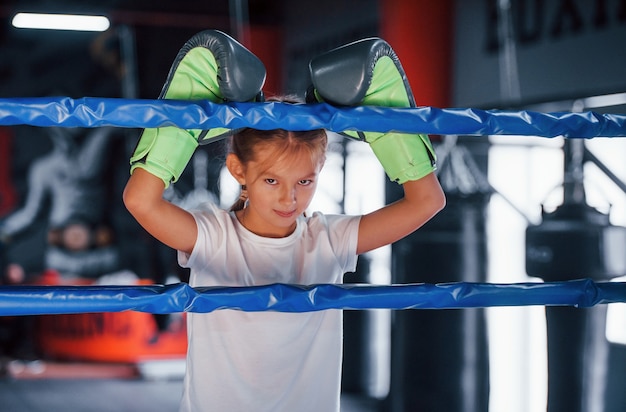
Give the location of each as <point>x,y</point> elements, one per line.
<point>60,22</point>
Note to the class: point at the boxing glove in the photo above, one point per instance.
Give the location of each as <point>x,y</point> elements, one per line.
<point>369,73</point>
<point>210,66</point>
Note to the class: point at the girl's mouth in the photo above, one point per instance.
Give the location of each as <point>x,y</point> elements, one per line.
<point>285,214</point>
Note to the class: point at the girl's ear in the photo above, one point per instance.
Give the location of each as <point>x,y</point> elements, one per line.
<point>235,167</point>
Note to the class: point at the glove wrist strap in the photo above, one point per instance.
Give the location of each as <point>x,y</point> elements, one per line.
<point>404,157</point>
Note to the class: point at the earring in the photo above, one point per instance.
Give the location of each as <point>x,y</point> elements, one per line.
<point>243,196</point>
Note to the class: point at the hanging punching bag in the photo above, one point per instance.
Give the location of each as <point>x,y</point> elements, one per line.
<point>439,357</point>
<point>576,241</point>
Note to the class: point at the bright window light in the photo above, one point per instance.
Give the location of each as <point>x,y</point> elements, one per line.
<point>60,22</point>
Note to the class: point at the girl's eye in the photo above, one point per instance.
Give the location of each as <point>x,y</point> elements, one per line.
<point>270,181</point>
<point>305,182</point>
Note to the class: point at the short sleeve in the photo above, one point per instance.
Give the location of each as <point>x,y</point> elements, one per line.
<point>211,224</point>
<point>343,234</point>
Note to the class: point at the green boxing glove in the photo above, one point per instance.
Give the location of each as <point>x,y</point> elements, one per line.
<point>210,66</point>
<point>369,73</point>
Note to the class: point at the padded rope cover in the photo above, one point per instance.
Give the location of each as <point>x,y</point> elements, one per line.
<point>136,113</point>
<point>38,300</point>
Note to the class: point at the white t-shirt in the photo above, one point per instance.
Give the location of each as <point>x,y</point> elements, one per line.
<point>266,361</point>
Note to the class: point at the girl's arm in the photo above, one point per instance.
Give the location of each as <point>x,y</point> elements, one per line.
<point>423,198</point>
<point>368,73</point>
<point>173,226</point>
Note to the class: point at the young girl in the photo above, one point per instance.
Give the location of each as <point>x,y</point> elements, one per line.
<point>267,361</point>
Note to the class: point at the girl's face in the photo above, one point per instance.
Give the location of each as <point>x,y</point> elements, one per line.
<point>278,194</point>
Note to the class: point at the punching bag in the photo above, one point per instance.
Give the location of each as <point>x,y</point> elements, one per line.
<point>576,241</point>
<point>439,359</point>
<point>357,375</point>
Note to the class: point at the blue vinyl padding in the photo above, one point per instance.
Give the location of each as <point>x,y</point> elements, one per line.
<point>138,113</point>
<point>180,297</point>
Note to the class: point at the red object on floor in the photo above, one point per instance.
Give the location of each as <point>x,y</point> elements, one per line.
<point>126,337</point>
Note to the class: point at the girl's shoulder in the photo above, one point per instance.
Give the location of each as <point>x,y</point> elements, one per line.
<point>331,222</point>
<point>339,232</point>
<point>212,215</point>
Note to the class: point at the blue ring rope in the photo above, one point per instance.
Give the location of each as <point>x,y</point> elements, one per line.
<point>137,113</point>
<point>97,112</point>
<point>180,297</point>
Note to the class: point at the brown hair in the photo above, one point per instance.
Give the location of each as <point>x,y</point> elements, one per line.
<point>245,144</point>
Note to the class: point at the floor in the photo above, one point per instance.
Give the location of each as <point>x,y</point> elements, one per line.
<point>37,387</point>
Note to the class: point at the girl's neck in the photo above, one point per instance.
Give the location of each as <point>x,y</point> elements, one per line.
<point>244,220</point>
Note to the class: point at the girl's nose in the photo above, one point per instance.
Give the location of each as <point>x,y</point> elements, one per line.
<point>288,196</point>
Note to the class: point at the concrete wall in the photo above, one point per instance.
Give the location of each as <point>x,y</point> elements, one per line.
<point>564,49</point>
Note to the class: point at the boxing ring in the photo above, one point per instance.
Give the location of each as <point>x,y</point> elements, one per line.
<point>163,299</point>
